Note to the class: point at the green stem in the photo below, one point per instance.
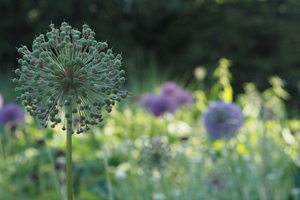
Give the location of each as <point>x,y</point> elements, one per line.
<point>109,185</point>
<point>2,151</point>
<point>69,164</point>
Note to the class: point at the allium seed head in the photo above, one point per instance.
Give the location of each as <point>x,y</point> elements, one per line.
<point>222,119</point>
<point>69,78</point>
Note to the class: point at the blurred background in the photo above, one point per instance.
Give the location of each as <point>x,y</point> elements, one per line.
<point>260,37</point>
<point>212,48</point>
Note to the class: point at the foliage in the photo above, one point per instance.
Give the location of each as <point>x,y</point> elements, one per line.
<point>138,156</point>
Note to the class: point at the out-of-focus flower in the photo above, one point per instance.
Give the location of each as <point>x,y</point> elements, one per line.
<point>60,164</point>
<point>184,97</point>
<point>1,101</point>
<point>169,88</point>
<point>222,119</point>
<point>60,161</point>
<point>161,104</point>
<point>12,115</point>
<point>146,101</point>
<point>69,78</point>
<point>200,73</point>
<point>155,155</point>
<point>170,99</point>
<point>158,105</point>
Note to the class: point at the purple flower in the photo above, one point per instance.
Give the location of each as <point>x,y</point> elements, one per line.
<point>222,119</point>
<point>158,105</point>
<point>183,97</point>
<point>162,104</point>
<point>12,115</point>
<point>1,101</point>
<point>170,88</point>
<point>169,100</point>
<point>146,101</point>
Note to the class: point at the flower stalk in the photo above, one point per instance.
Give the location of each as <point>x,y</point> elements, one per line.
<point>67,79</point>
<point>69,171</point>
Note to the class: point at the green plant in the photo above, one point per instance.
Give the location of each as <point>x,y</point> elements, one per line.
<point>67,78</point>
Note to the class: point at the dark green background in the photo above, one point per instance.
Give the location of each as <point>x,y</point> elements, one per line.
<point>260,37</point>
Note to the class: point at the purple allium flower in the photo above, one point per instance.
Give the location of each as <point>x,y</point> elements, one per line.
<point>146,101</point>
<point>222,119</point>
<point>158,105</point>
<point>12,115</point>
<point>184,97</point>
<point>170,88</point>
<point>169,100</point>
<point>162,104</point>
<point>1,101</point>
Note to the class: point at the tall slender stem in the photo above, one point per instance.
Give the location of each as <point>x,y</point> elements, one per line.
<point>69,164</point>
<point>105,158</point>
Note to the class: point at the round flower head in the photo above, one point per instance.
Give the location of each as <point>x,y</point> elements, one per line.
<point>146,101</point>
<point>161,104</point>
<point>222,119</point>
<point>12,115</point>
<point>156,154</point>
<point>184,97</point>
<point>170,88</point>
<point>158,105</point>
<point>1,101</point>
<point>68,78</point>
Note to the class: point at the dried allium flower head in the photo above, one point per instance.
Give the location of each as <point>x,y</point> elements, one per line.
<point>68,77</point>
<point>155,155</point>
<point>12,115</point>
<point>222,119</point>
